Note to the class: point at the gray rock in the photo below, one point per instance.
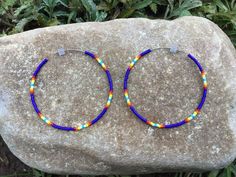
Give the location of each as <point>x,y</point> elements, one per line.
<point>164,86</point>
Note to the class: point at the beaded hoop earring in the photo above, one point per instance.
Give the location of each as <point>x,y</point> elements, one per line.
<point>100,115</point>
<point>153,124</point>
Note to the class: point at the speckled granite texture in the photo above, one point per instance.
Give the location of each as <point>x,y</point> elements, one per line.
<point>164,87</point>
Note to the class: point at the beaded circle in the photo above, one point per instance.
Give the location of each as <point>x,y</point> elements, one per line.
<point>54,125</point>
<point>160,125</point>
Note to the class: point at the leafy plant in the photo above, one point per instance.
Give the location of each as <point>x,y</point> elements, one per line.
<point>19,15</point>
<point>92,12</point>
<point>181,8</point>
<point>229,171</point>
<point>223,13</point>
<point>37,173</point>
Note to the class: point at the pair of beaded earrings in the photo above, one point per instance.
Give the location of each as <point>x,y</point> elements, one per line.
<point>110,94</point>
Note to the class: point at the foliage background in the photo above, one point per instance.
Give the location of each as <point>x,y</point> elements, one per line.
<point>21,15</point>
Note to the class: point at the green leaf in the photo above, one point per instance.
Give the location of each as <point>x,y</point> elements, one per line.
<point>124,1</point>
<point>220,4</point>
<point>3,33</point>
<point>185,13</point>
<point>62,3</point>
<point>116,13</point>
<point>90,7</point>
<point>52,22</point>
<point>60,14</point>
<point>232,166</point>
<point>47,3</point>
<point>21,9</point>
<point>22,23</point>
<point>126,13</point>
<point>5,5</point>
<point>214,173</point>
<point>139,14</point>
<point>8,3</point>
<point>233,5</point>
<point>2,11</point>
<point>104,6</point>
<point>228,171</point>
<point>42,20</point>
<point>186,5</point>
<point>101,16</point>
<point>114,3</point>
<point>72,16</point>
<point>153,7</point>
<point>209,8</point>
<point>223,174</point>
<point>190,4</point>
<point>161,2</point>
<point>142,4</point>
<point>167,12</point>
<point>37,173</point>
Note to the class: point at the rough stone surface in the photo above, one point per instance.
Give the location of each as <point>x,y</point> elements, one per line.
<point>164,87</point>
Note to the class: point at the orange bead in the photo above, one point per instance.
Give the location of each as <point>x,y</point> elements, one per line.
<point>161,126</point>
<point>31,90</point>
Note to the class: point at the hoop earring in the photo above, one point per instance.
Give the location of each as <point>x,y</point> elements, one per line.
<point>88,124</point>
<point>158,125</point>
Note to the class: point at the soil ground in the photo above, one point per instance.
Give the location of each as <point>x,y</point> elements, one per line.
<point>9,164</point>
